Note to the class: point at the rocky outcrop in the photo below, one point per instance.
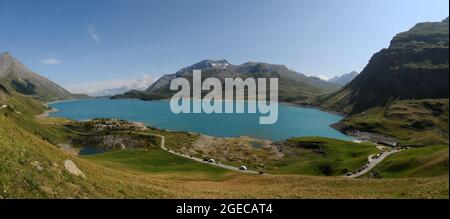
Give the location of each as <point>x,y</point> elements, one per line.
<point>415,66</point>
<point>73,169</point>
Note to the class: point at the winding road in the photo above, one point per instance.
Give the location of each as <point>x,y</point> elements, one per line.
<point>163,147</point>
<point>373,162</point>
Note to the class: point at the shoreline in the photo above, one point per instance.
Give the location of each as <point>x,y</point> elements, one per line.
<point>353,138</point>
<point>279,102</point>
<point>343,115</point>
<point>46,113</point>
<point>59,101</point>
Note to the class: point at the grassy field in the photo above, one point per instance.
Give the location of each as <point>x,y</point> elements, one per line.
<point>176,140</point>
<point>306,155</point>
<point>32,166</point>
<point>414,123</point>
<point>157,161</point>
<point>322,156</point>
<point>22,111</point>
<point>420,124</point>
<point>417,162</point>
<point>20,177</point>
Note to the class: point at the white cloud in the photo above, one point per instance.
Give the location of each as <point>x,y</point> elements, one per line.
<point>93,33</point>
<point>324,78</point>
<point>111,87</point>
<point>321,77</point>
<point>50,61</point>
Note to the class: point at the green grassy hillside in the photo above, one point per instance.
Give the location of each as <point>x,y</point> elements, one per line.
<point>32,166</point>
<point>417,162</point>
<point>156,161</point>
<point>413,122</point>
<point>322,156</point>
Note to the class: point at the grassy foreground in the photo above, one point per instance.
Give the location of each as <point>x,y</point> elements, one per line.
<point>414,123</point>
<point>32,166</point>
<point>157,161</point>
<point>322,156</point>
<point>417,162</point>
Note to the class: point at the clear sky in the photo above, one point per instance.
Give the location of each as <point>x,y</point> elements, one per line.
<point>73,42</point>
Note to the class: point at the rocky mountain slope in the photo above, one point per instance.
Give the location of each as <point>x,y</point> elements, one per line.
<point>415,66</point>
<point>14,76</point>
<point>293,86</point>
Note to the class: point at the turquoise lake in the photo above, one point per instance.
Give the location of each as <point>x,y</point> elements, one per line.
<point>292,121</point>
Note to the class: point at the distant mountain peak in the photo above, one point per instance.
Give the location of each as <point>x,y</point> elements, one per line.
<point>294,86</point>
<point>209,62</point>
<point>6,57</point>
<point>258,67</point>
<point>344,78</point>
<point>5,54</point>
<point>204,64</point>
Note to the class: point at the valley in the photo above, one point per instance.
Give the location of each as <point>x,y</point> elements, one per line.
<point>156,173</point>
<point>386,138</point>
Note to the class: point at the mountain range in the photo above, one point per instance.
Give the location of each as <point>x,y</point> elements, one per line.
<point>344,78</point>
<point>293,86</point>
<point>112,87</point>
<point>14,76</point>
<point>415,66</point>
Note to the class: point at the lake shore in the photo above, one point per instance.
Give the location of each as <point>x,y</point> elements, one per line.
<point>216,132</point>
<point>46,113</point>
<point>59,101</point>
<point>279,102</point>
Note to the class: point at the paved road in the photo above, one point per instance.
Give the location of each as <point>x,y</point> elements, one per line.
<point>373,162</point>
<point>163,147</point>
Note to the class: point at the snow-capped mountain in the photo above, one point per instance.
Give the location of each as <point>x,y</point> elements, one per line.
<point>113,87</point>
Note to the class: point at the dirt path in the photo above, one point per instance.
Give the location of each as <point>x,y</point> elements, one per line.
<point>46,114</point>
<point>163,147</point>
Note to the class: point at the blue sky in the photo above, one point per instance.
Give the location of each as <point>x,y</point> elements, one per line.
<point>76,42</point>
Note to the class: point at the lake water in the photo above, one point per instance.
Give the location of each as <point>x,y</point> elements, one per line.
<point>292,121</point>
<point>91,150</point>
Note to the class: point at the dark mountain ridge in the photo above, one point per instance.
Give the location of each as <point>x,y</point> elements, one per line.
<point>14,76</point>
<point>415,66</point>
<point>293,86</point>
